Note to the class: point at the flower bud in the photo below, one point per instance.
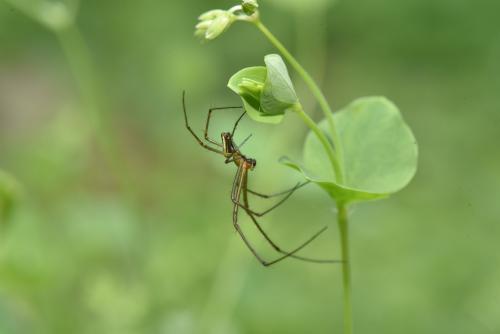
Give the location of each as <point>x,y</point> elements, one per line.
<point>213,23</point>
<point>211,14</point>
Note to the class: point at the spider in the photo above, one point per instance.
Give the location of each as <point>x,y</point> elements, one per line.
<point>232,154</point>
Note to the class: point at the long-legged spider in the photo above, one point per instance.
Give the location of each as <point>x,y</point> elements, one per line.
<point>231,152</point>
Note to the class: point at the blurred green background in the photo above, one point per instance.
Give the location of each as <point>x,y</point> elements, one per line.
<point>122,223</point>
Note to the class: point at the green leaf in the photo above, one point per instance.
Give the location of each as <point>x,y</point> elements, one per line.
<point>278,94</point>
<point>267,92</point>
<point>380,152</point>
<point>251,102</point>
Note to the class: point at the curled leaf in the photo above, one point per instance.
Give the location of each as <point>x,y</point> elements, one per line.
<point>239,83</point>
<point>279,94</point>
<point>267,91</point>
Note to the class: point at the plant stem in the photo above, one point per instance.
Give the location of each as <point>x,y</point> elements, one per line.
<point>337,162</point>
<point>320,134</point>
<point>346,270</point>
<point>335,155</point>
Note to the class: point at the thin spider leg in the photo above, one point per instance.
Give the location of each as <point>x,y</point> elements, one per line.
<point>209,116</point>
<point>236,181</point>
<point>260,214</point>
<point>244,141</point>
<point>297,186</point>
<point>237,122</point>
<point>272,243</point>
<point>236,191</point>
<point>278,249</point>
<point>191,130</point>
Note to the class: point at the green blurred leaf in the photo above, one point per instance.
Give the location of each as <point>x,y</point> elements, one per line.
<point>55,15</point>
<point>380,152</point>
<point>9,194</point>
<point>238,83</point>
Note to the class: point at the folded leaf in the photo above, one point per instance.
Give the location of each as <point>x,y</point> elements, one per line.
<point>267,92</point>
<point>278,94</point>
<point>251,102</point>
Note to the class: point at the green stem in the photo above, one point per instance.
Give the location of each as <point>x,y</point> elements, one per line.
<point>313,87</point>
<point>320,134</point>
<point>346,270</point>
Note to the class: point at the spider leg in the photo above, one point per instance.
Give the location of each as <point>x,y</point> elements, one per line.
<point>288,193</point>
<point>237,122</point>
<point>208,147</point>
<point>208,123</point>
<point>297,186</point>
<point>273,244</point>
<point>244,141</point>
<point>235,195</point>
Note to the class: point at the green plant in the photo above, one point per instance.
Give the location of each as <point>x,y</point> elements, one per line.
<point>362,152</point>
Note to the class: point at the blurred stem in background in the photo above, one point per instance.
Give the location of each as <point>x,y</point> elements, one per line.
<point>10,191</point>
<point>79,59</point>
<point>59,18</point>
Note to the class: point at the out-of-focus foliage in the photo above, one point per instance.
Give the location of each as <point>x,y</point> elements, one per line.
<point>9,195</point>
<point>149,247</point>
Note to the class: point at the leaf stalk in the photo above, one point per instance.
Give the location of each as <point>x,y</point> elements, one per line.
<point>337,162</point>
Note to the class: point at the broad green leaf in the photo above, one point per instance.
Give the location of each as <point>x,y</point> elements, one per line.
<point>251,102</point>
<point>380,152</point>
<point>278,94</point>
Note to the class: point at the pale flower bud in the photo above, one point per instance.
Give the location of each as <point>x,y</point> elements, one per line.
<point>213,23</point>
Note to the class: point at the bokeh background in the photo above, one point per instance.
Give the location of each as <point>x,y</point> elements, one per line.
<point>115,221</point>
